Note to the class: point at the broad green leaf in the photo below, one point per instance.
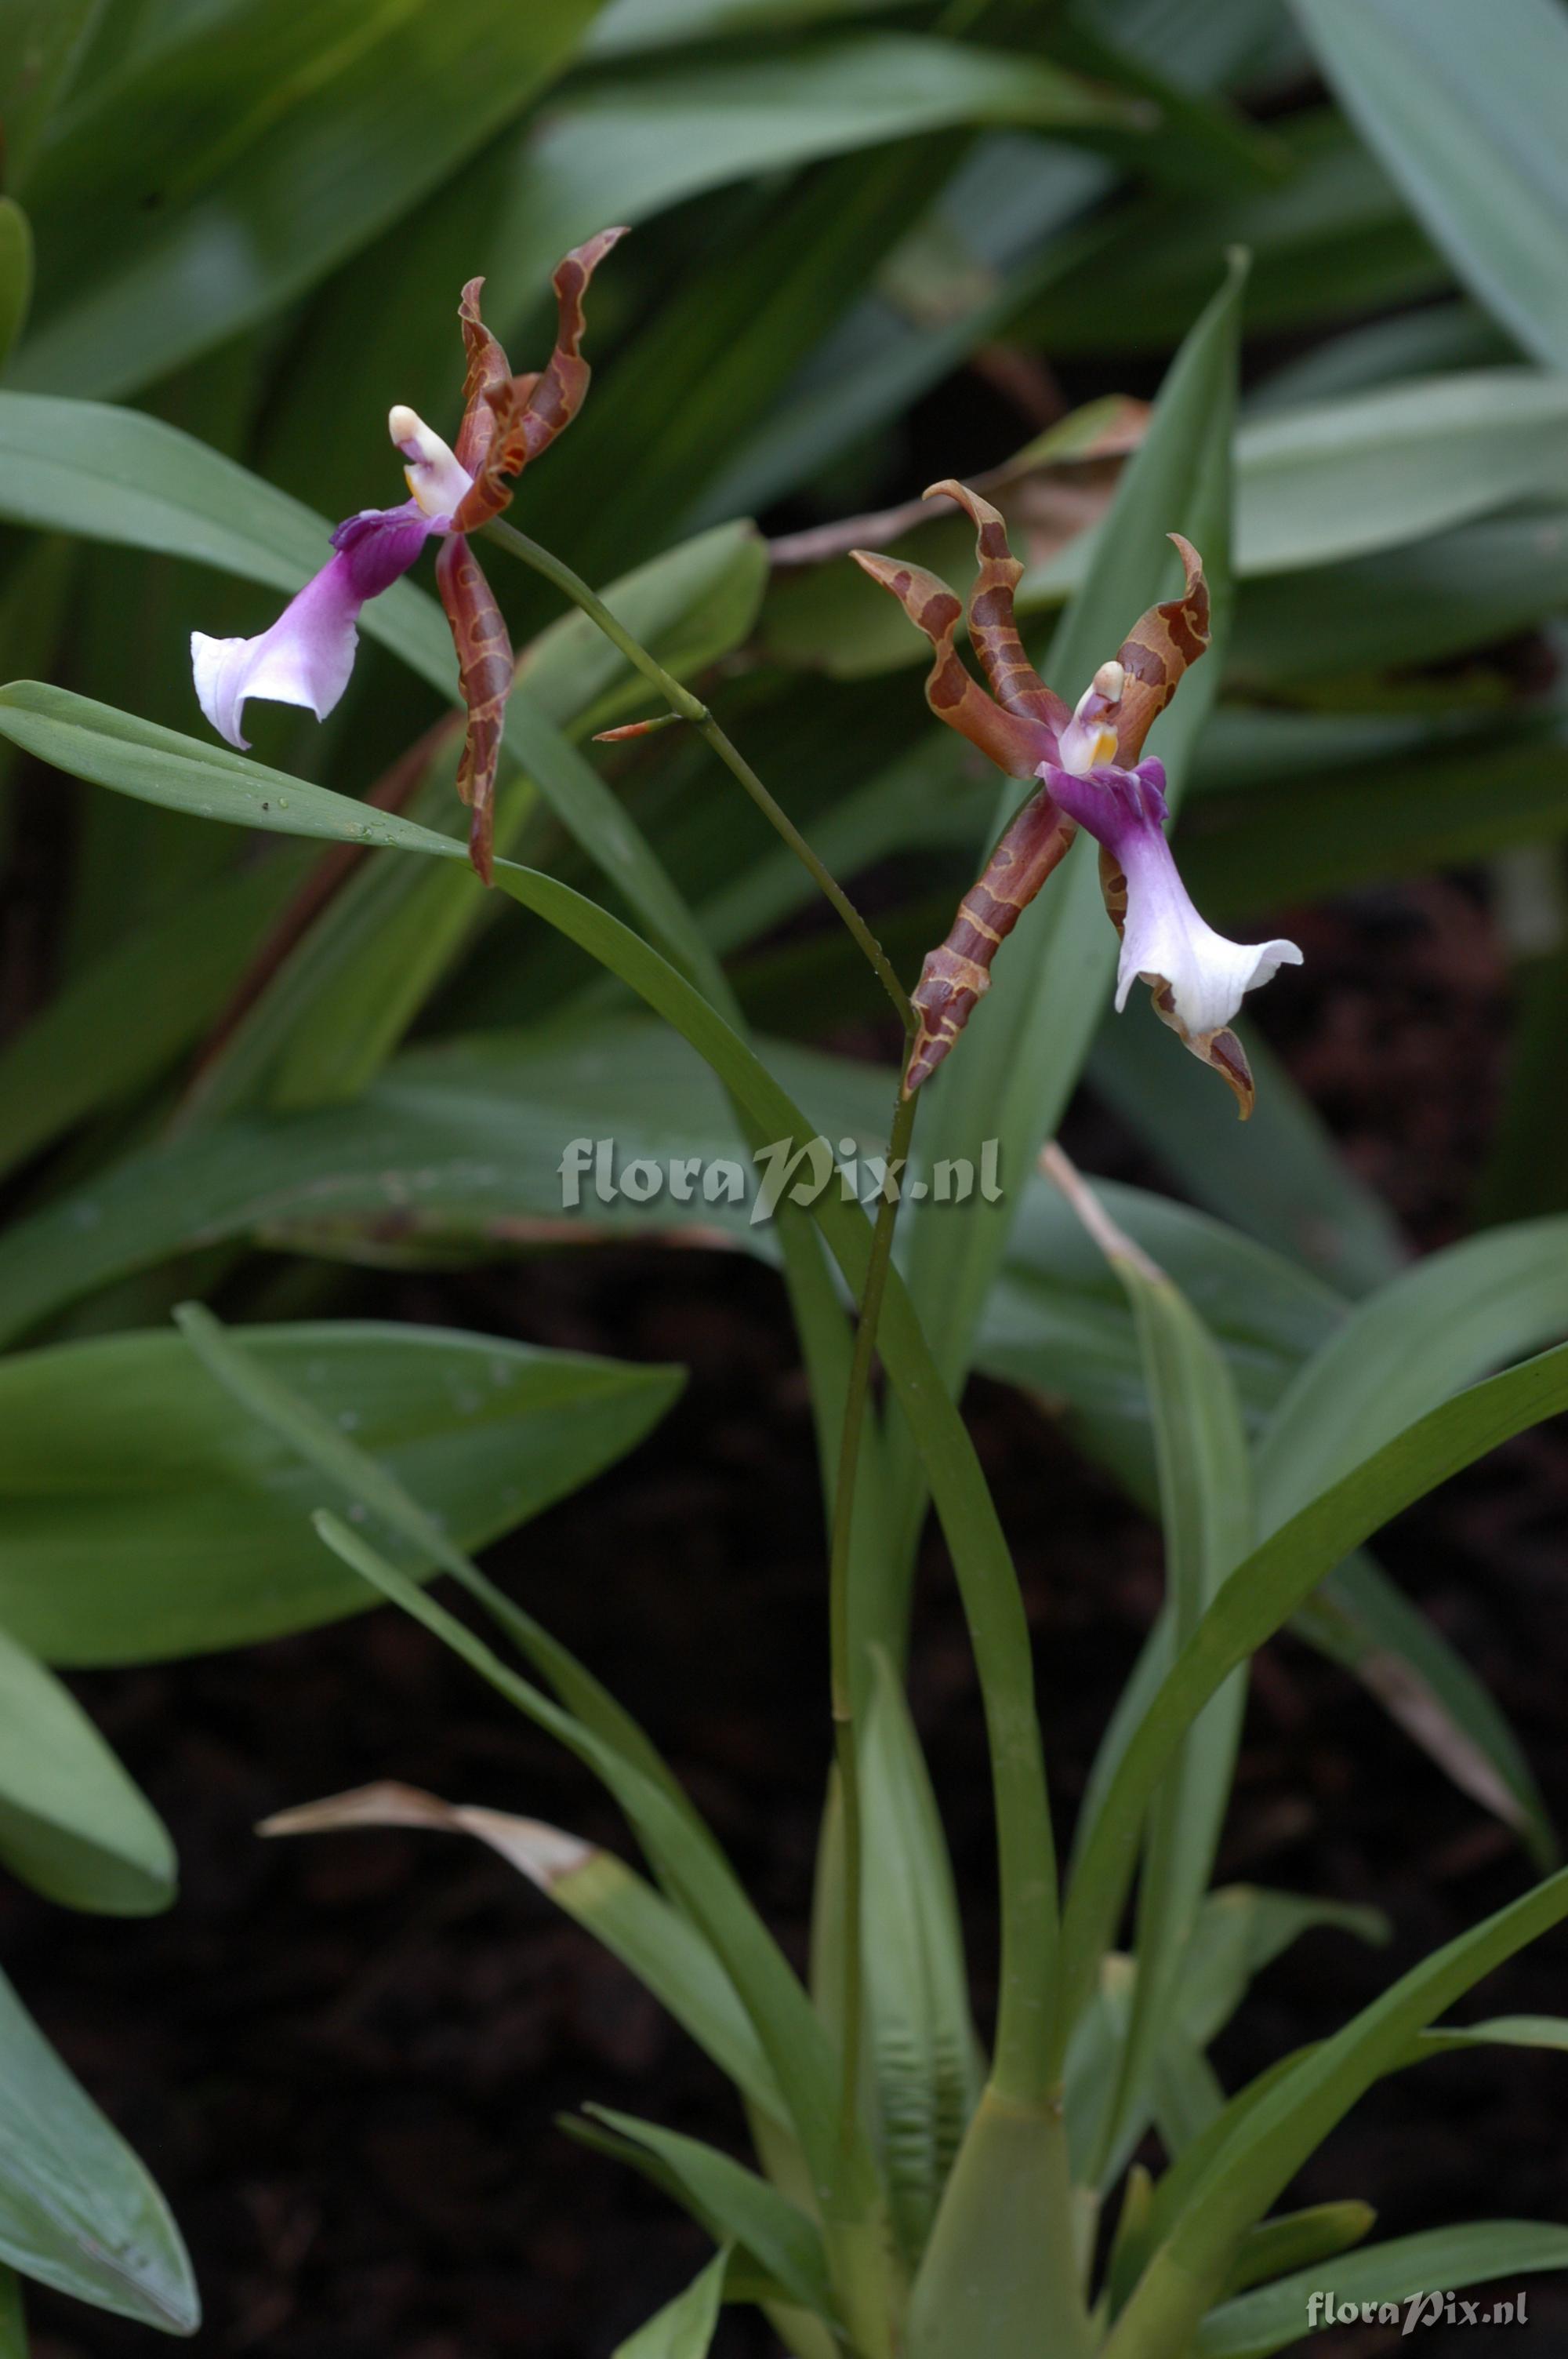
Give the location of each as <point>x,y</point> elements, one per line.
<point>78,2212</point>
<point>1281,1179</point>
<point>219,177</point>
<point>1471,2253</point>
<point>1470,127</point>
<point>144,1517</point>
<point>599,1892</point>
<point>15,273</point>
<point>927,2057</point>
<point>741,2207</point>
<point>1261,1595</point>
<point>1337,479</point>
<point>123,1018</point>
<point>462,1146</point>
<point>42,41</point>
<point>684,2329</point>
<point>1434,1328</point>
<point>71,1824</point>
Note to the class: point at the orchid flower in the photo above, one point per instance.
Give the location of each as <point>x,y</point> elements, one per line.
<point>1087,759</point>
<point>305,658</point>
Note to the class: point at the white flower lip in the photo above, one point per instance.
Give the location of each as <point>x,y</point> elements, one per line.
<point>1165,941</point>
<point>433,475</point>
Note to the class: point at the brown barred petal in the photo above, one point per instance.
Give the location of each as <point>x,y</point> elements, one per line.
<point>955,976</point>
<point>1013,744</point>
<point>485,666</point>
<point>993,627</point>
<point>1156,652</point>
<point>507,419</point>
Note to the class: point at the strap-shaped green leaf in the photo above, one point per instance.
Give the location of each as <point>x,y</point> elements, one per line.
<point>1476,2252</point>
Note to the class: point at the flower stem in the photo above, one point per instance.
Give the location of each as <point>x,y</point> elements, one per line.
<point>692,709</point>
<point>840,1624</point>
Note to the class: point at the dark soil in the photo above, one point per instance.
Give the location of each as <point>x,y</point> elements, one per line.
<point>343,2057</point>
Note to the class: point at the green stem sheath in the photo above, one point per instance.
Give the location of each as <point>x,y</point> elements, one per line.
<point>692,709</point>
<point>839,1618</point>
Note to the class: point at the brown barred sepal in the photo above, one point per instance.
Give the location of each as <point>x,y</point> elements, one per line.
<point>993,627</point>
<point>955,976</point>
<point>485,666</point>
<point>507,419</point>
<point>1221,1050</point>
<point>1156,652</point>
<point>1014,745</point>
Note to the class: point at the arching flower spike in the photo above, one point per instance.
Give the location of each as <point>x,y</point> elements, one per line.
<point>305,658</point>
<point>1087,761</point>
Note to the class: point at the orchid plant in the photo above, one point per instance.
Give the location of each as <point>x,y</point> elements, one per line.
<point>1070,2179</point>
<point>916,2196</point>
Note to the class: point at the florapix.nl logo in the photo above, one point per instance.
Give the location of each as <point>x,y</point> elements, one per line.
<point>593,1172</point>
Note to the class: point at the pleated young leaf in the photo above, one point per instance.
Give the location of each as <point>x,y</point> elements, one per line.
<point>1470,127</point>
<point>77,2210</point>
<point>926,2060</point>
